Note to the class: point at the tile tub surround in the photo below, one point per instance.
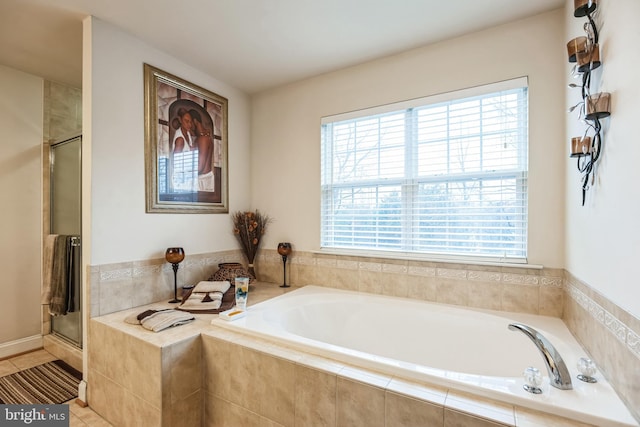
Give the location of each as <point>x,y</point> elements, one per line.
<point>610,335</point>
<point>199,374</point>
<point>533,291</point>
<point>251,382</point>
<point>139,377</point>
<point>116,287</point>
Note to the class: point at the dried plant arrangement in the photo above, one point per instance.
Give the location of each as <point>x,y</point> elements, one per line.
<point>249,227</point>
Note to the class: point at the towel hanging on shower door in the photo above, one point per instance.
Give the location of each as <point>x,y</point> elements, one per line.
<point>61,276</point>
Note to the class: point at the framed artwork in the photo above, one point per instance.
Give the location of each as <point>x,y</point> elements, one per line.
<point>186,147</point>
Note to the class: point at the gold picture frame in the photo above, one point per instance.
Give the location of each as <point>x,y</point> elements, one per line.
<point>186,146</point>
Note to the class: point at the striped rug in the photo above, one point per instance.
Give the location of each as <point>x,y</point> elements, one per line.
<point>50,383</point>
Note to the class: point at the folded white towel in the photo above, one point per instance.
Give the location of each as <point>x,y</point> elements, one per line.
<point>206,286</point>
<point>166,319</point>
<point>196,301</point>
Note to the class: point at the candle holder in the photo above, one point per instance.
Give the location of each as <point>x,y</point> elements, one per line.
<point>175,257</point>
<point>284,249</point>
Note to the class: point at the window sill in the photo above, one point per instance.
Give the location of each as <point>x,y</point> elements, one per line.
<point>429,258</point>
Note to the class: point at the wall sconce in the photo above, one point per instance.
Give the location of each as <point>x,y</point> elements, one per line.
<point>585,52</point>
<point>584,7</point>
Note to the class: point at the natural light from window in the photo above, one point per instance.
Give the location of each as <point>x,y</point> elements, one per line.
<point>442,176</point>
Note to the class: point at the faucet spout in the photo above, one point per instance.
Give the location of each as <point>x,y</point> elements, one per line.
<point>558,373</point>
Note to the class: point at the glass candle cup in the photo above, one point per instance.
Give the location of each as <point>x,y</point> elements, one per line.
<point>580,146</point>
<point>579,44</point>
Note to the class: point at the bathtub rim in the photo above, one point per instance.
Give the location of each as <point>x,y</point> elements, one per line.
<point>562,402</point>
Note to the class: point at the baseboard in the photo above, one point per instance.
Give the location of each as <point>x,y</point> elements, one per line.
<point>22,345</point>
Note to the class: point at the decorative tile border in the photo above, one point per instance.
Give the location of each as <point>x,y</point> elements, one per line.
<point>448,273</point>
<point>633,342</point>
<point>422,271</point>
<point>370,266</point>
<point>484,276</point>
<point>614,325</point>
<point>147,270</point>
<point>555,282</point>
<point>394,268</point>
<point>120,274</point>
<point>495,274</point>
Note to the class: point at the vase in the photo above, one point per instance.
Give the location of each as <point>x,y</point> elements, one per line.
<point>229,271</point>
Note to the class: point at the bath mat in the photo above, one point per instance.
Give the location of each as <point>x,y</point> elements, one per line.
<point>50,383</point>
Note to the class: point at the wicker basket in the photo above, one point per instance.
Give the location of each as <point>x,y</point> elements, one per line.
<point>229,271</point>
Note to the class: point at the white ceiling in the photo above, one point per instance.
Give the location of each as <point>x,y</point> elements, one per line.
<point>250,44</point>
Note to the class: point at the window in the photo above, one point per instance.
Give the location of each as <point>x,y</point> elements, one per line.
<point>443,175</point>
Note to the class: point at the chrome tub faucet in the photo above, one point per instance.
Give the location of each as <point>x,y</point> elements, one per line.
<point>559,376</point>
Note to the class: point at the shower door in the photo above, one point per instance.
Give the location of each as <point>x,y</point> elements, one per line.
<point>65,217</point>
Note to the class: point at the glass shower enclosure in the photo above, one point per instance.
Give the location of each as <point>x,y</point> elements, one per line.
<point>65,219</point>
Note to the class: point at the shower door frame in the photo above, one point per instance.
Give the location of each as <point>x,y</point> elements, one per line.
<point>78,245</point>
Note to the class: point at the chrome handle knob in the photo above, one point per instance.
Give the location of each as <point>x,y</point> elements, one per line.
<point>532,380</point>
<point>587,369</point>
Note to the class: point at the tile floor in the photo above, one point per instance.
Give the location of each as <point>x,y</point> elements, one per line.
<point>79,416</point>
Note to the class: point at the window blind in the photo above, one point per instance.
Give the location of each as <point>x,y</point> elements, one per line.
<point>444,175</point>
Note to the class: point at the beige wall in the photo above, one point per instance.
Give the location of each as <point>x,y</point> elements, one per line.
<point>603,237</point>
<point>286,123</point>
<point>116,223</point>
<point>20,186</point>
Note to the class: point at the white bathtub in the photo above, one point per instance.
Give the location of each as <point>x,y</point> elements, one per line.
<point>464,349</point>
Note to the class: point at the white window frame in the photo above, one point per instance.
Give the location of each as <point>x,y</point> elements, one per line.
<point>410,181</point>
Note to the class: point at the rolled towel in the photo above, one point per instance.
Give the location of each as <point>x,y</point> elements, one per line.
<point>136,318</point>
<point>207,286</point>
<point>161,320</point>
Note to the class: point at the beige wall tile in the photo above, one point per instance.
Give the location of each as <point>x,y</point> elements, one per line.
<point>551,301</point>
<point>186,368</point>
<point>185,412</point>
<point>220,413</point>
<point>422,288</point>
<point>394,284</point>
<point>142,369</point>
<point>276,383</point>
<point>305,275</point>
<point>217,364</point>
<point>315,397</point>
<point>103,396</point>
<point>245,390</point>
<point>358,404</point>
<point>346,279</point>
<point>451,291</point>
<point>402,411</point>
<point>487,295</point>
<point>369,281</point>
<point>116,295</point>
<point>263,384</point>
<point>520,298</point>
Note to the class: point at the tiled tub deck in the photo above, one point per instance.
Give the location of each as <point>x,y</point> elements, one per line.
<point>202,375</point>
